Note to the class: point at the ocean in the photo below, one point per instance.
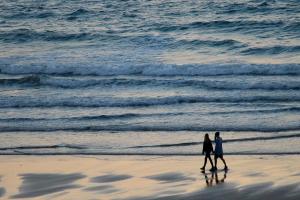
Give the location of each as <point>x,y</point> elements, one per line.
<point>149,77</point>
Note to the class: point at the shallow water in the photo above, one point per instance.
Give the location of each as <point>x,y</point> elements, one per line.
<point>106,77</point>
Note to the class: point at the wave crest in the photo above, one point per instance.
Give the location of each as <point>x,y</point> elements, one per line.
<point>151,69</point>
<point>249,83</point>
<point>7,102</point>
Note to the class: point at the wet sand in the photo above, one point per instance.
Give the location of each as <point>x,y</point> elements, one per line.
<point>148,177</point>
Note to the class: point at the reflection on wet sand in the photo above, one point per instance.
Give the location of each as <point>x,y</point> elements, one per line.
<point>34,185</point>
<point>170,177</point>
<point>2,190</point>
<point>213,178</point>
<point>110,178</point>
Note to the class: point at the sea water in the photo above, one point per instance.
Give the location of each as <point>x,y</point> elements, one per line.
<point>149,77</point>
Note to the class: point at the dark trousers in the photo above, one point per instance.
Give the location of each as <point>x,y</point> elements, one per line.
<point>207,155</point>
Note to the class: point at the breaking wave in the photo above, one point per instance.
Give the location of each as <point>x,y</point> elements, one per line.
<point>152,70</point>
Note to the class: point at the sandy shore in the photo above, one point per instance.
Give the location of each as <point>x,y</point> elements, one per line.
<point>147,177</point>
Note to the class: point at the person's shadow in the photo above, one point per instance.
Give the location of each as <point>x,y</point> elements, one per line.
<point>212,178</point>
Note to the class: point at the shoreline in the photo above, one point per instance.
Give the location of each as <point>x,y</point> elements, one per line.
<point>150,154</point>
<point>147,177</point>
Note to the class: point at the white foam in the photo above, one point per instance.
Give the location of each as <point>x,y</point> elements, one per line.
<point>77,101</point>
<point>101,69</point>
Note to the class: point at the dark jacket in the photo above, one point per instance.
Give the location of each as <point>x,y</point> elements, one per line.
<point>207,147</point>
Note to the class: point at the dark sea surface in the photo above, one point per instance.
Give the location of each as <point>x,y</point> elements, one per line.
<point>149,77</point>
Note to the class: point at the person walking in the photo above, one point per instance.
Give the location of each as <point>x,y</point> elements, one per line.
<point>207,149</point>
<point>219,150</point>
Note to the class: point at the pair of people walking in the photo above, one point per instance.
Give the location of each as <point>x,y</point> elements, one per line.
<point>218,152</point>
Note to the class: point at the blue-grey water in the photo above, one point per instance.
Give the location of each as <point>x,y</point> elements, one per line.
<point>149,77</point>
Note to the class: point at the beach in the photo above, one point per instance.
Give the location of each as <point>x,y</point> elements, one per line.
<point>148,177</point>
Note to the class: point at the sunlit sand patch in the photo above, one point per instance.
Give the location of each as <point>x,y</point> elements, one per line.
<point>170,177</point>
